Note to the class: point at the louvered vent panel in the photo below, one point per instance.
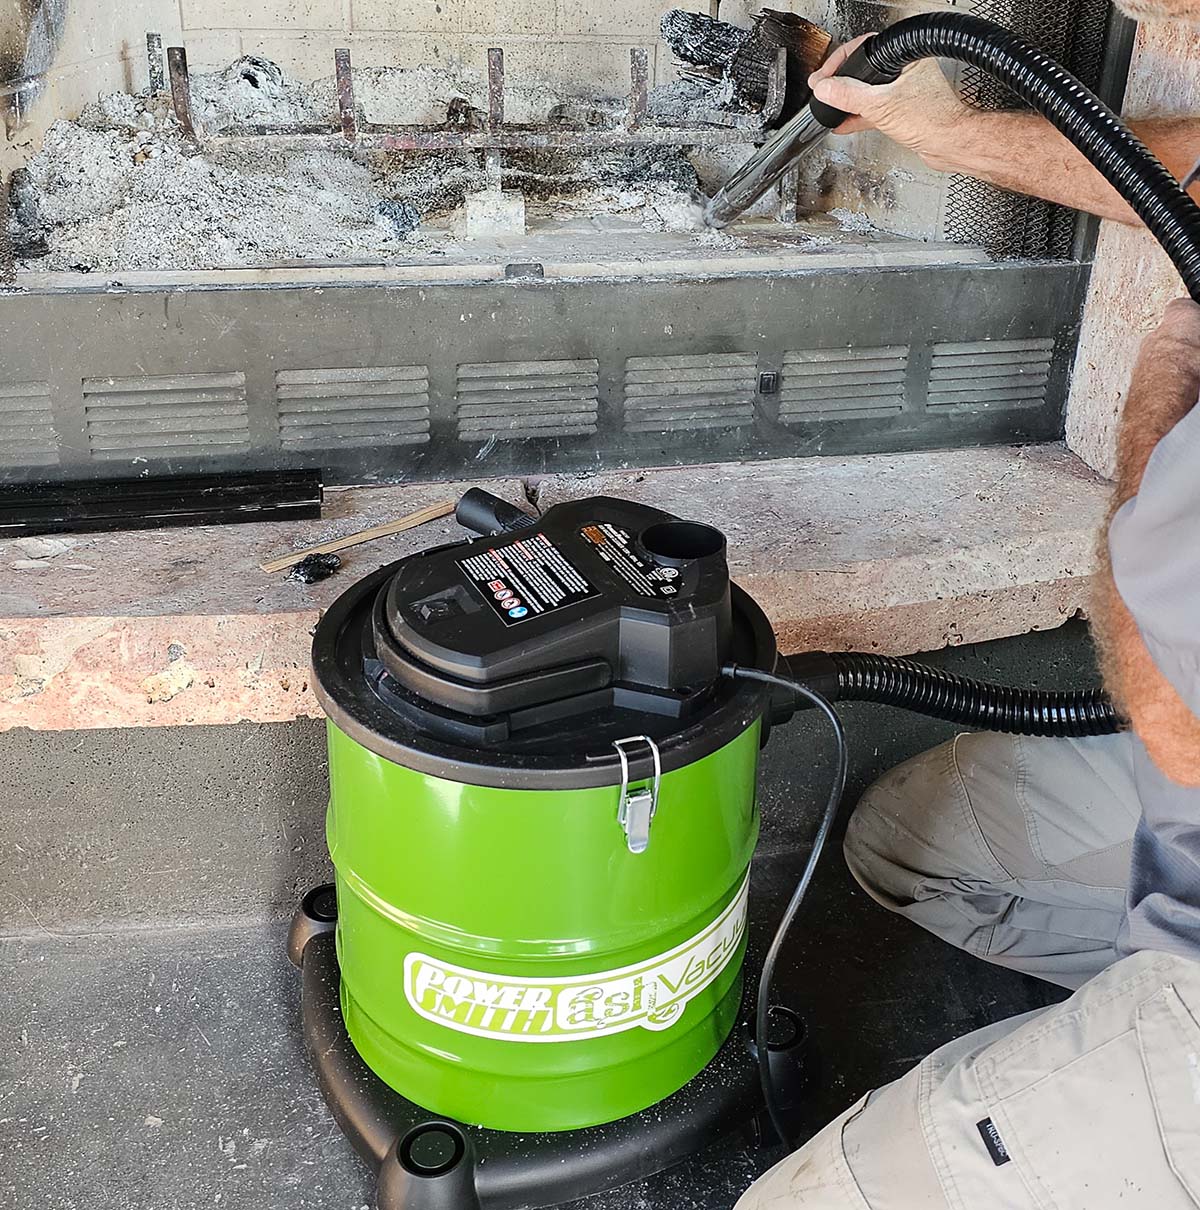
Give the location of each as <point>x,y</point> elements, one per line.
<point>516,400</point>
<point>705,391</point>
<point>27,423</point>
<point>372,406</point>
<point>844,383</point>
<point>986,374</point>
<point>178,415</point>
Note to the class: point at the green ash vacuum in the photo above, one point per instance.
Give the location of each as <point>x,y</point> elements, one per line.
<point>542,814</point>
<point>525,986</point>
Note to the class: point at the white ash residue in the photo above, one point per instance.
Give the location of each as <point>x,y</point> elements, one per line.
<point>655,188</point>
<point>653,206</point>
<point>111,199</point>
<point>852,221</point>
<point>253,91</point>
<point>422,96</point>
<point>120,111</point>
<point>693,102</point>
<point>122,188</point>
<point>676,212</point>
<point>711,238</point>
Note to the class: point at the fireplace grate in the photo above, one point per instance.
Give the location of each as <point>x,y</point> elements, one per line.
<point>491,134</point>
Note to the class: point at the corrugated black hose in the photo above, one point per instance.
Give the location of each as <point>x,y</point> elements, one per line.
<point>855,676</point>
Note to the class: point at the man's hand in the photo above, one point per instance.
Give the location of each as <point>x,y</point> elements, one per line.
<point>1164,388</point>
<point>920,110</point>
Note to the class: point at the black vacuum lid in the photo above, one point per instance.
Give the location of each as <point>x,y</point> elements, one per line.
<point>518,658</point>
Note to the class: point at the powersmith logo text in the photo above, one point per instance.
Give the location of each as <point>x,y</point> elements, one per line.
<point>649,995</point>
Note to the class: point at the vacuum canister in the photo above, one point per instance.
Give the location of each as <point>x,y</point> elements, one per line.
<point>542,812</point>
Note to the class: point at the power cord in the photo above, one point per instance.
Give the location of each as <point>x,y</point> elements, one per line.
<point>838,789</point>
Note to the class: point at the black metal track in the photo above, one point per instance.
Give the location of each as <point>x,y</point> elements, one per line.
<point>44,507</point>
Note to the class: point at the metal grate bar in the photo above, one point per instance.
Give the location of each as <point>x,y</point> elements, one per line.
<point>154,64</point>
<point>181,89</point>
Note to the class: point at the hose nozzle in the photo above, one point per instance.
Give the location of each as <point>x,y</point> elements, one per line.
<point>786,146</point>
<point>764,168</point>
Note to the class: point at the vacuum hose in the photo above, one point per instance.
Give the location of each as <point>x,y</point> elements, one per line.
<point>820,678</point>
<point>862,677</point>
<point>1137,175</point>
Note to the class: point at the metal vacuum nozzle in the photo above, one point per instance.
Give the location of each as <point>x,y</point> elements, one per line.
<point>764,168</point>
<point>786,146</point>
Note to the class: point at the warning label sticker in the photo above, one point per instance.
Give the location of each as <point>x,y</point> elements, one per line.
<point>526,578</point>
<point>615,546</point>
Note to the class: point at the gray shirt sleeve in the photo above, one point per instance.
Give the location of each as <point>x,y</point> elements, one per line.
<point>1154,543</point>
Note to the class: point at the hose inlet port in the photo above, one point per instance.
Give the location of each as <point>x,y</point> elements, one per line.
<point>677,542</point>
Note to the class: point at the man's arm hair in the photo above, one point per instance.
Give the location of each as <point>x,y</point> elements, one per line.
<point>1024,153</point>
<point>1164,388</point>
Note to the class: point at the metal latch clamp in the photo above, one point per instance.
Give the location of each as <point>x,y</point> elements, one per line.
<point>636,808</point>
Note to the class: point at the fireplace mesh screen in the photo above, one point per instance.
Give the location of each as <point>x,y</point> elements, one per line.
<point>1071,31</point>
<point>1009,224</point>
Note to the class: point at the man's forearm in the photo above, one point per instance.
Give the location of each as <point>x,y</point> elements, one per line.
<point>1024,153</point>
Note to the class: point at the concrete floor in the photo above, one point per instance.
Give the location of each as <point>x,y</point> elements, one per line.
<point>152,1054</point>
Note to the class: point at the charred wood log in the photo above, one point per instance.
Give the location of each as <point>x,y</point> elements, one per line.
<point>743,58</point>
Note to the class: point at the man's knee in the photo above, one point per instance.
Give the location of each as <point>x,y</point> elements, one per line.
<point>884,845</point>
<point>874,1155</point>
<point>917,825</point>
<point>816,1177</point>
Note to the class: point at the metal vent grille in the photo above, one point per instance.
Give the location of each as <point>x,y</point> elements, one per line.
<point>183,415</point>
<point>705,391</point>
<point>978,375</point>
<point>372,406</point>
<point>27,423</point>
<point>850,383</point>
<point>518,400</point>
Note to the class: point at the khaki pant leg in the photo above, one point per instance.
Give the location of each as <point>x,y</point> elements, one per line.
<point>1092,1104</point>
<point>816,1177</point>
<point>1014,849</point>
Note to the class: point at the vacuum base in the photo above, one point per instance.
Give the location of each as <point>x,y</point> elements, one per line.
<point>427,1163</point>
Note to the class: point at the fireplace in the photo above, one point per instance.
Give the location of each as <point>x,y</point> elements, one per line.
<point>867,307</point>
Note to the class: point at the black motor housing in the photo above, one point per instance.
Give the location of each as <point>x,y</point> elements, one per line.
<point>528,652</point>
<point>593,593</point>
